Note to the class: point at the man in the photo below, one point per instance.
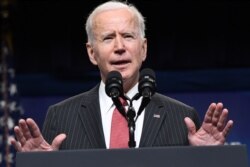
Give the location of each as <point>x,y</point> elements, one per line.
<point>116,41</point>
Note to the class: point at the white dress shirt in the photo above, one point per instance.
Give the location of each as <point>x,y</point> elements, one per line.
<point>107,108</point>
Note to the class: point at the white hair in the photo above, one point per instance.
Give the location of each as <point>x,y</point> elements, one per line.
<point>111,5</point>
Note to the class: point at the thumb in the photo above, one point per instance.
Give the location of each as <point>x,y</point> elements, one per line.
<point>190,126</point>
<point>58,141</point>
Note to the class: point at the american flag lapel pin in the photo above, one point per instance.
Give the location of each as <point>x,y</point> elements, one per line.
<point>157,116</point>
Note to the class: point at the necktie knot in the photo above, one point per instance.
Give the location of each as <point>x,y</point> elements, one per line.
<point>123,102</point>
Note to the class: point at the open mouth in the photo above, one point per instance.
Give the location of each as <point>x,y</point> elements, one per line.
<point>122,62</point>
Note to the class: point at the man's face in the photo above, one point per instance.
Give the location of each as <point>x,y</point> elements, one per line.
<point>117,45</point>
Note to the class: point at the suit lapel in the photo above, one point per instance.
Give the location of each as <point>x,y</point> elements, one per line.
<point>91,119</point>
<point>154,116</point>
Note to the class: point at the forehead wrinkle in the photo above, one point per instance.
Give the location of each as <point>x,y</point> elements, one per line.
<point>114,24</point>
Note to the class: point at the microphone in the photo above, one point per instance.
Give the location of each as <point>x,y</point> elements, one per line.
<point>114,84</point>
<point>147,88</point>
<point>114,89</point>
<point>147,83</point>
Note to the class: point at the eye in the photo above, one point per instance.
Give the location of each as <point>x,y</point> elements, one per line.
<point>128,36</point>
<point>107,38</point>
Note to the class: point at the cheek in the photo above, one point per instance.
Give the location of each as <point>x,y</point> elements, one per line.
<point>99,58</point>
<point>140,58</point>
<point>140,53</point>
<point>102,61</point>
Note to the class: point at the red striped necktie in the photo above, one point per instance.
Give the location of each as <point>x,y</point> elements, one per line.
<point>119,135</point>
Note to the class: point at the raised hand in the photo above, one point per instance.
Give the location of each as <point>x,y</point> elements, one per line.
<point>29,138</point>
<point>214,128</point>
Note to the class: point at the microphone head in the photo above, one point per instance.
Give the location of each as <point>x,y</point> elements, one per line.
<point>147,72</point>
<point>114,84</point>
<point>147,81</point>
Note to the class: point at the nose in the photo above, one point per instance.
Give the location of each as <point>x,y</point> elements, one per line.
<point>119,45</point>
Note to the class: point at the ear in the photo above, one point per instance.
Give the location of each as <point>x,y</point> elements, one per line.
<point>144,49</point>
<point>91,53</point>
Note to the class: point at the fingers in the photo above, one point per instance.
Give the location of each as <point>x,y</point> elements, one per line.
<point>29,137</point>
<point>190,126</point>
<point>33,128</point>
<point>16,145</point>
<point>217,113</point>
<point>24,131</point>
<point>21,131</point>
<point>227,128</point>
<point>58,141</point>
<point>209,114</point>
<point>217,116</point>
<point>222,120</point>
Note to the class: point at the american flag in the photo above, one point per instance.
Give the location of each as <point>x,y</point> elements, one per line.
<point>10,108</point>
<point>10,112</point>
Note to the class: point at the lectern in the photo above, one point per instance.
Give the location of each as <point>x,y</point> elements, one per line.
<point>175,156</point>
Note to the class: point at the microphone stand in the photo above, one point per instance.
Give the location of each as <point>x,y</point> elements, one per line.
<point>131,126</point>
<point>130,114</point>
<point>131,120</point>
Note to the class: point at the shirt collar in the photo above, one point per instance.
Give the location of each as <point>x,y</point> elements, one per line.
<point>132,91</point>
<point>106,102</point>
